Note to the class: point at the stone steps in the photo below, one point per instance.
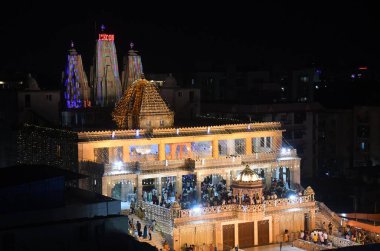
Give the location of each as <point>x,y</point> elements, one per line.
<point>157,239</point>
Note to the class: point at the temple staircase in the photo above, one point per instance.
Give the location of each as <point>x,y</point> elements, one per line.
<point>324,214</point>
<point>157,237</point>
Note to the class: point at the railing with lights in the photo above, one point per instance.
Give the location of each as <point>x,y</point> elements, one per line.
<point>260,156</point>
<point>226,161</point>
<point>257,208</point>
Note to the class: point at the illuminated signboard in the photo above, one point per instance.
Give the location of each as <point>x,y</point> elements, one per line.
<point>107,37</point>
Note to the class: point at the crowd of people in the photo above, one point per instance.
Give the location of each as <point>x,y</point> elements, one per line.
<point>278,189</point>
<point>317,237</point>
<point>214,194</point>
<point>357,235</point>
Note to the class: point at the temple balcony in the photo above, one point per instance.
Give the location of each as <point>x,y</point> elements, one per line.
<point>243,211</point>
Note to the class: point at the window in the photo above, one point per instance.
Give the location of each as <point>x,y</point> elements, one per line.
<point>27,100</point>
<point>148,123</point>
<point>101,155</point>
<point>191,96</point>
<point>161,122</point>
<point>179,94</point>
<point>268,142</point>
<point>262,142</point>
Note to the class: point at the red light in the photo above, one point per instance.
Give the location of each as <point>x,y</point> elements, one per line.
<point>363,68</point>
<point>107,37</point>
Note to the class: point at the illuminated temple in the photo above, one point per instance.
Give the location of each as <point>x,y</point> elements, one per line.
<point>221,185</point>
<point>226,185</point>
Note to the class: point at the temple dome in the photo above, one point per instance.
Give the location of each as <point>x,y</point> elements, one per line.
<point>141,106</point>
<point>247,175</point>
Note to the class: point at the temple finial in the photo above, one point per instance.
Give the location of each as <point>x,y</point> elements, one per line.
<point>102,27</point>
<point>131,45</point>
<point>72,44</point>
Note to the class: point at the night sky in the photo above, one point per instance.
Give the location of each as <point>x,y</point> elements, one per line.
<point>182,38</point>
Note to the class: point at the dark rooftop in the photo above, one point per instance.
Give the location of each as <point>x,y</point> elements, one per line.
<point>21,174</point>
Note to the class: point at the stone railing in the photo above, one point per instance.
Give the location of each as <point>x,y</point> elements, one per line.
<point>220,162</point>
<point>307,245</point>
<point>201,211</point>
<point>159,164</point>
<point>152,165</point>
<point>263,156</point>
<point>162,215</point>
<point>341,242</point>
<point>257,208</point>
<point>327,211</point>
<point>288,201</point>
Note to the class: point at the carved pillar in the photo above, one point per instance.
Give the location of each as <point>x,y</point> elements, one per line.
<point>268,177</point>
<point>218,236</point>
<point>173,148</point>
<point>178,188</point>
<point>161,151</point>
<point>215,149</point>
<point>139,188</point>
<point>312,219</point>
<point>199,180</point>
<point>236,234</point>
<point>255,233</point>
<point>248,146</point>
<point>159,190</point>
<point>228,179</point>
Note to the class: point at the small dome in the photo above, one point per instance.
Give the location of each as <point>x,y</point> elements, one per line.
<point>175,205</point>
<point>308,191</point>
<point>247,175</point>
<point>31,83</point>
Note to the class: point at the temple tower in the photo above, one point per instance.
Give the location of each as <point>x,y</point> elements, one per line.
<point>132,68</point>
<point>142,107</point>
<point>106,82</point>
<point>76,90</point>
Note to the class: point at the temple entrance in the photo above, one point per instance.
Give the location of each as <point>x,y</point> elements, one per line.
<point>189,191</point>
<point>283,175</point>
<point>124,191</point>
<point>168,185</point>
<point>246,235</point>
<point>306,222</point>
<point>149,191</point>
<point>214,190</point>
<point>228,237</point>
<point>263,232</point>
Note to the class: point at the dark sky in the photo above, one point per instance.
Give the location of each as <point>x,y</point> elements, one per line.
<point>176,38</point>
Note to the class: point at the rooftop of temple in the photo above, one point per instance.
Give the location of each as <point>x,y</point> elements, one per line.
<point>141,106</point>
